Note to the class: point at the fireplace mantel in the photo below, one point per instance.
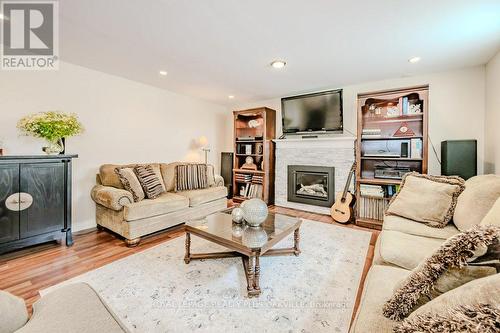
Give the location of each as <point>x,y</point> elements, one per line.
<point>340,141</point>
<point>332,151</point>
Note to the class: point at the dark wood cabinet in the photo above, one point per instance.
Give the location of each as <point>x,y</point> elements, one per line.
<point>35,200</point>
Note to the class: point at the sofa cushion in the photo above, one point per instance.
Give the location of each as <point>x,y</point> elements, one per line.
<point>164,204</point>
<point>13,314</point>
<point>475,202</point>
<point>131,183</point>
<point>150,181</point>
<point>453,253</point>
<point>485,290</point>
<point>378,287</point>
<point>493,216</point>
<point>199,197</point>
<point>444,311</point>
<point>168,173</point>
<point>405,250</point>
<point>401,224</point>
<point>427,199</point>
<point>72,308</point>
<point>191,177</point>
<point>108,175</point>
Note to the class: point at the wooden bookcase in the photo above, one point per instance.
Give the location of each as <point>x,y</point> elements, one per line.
<point>383,117</point>
<point>254,131</point>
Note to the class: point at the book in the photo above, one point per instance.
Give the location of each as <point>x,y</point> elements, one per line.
<point>415,148</point>
<point>405,106</point>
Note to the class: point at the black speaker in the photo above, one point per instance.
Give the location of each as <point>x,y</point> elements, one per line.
<point>404,149</point>
<point>459,158</point>
<point>226,171</point>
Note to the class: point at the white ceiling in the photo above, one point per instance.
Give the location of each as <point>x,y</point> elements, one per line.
<point>215,48</point>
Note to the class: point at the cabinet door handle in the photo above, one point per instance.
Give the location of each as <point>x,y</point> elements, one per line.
<point>19,201</point>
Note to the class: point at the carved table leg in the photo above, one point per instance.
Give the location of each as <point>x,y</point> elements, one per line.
<point>251,276</point>
<point>257,273</point>
<point>296,238</point>
<point>188,246</point>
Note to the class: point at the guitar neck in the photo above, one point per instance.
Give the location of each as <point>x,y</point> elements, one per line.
<point>346,188</point>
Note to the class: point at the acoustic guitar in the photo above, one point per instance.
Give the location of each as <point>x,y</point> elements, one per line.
<point>342,210</point>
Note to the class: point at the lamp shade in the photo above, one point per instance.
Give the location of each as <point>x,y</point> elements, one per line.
<point>203,141</point>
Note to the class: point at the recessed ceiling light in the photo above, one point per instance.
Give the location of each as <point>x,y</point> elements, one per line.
<point>414,60</point>
<point>163,73</point>
<point>230,96</point>
<point>278,64</point>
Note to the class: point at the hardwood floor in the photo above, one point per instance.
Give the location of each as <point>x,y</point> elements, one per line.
<point>24,273</point>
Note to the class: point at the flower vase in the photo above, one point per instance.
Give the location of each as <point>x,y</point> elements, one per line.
<point>54,148</point>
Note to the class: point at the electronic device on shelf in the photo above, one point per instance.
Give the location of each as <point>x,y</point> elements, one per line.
<point>245,138</point>
<point>381,153</point>
<point>390,172</point>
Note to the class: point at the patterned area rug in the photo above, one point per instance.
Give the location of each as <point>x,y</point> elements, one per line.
<point>154,291</point>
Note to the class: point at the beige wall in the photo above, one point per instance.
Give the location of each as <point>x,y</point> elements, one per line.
<point>492,120</point>
<point>125,122</point>
<point>456,107</point>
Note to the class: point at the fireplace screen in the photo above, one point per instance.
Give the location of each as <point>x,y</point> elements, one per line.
<point>313,185</point>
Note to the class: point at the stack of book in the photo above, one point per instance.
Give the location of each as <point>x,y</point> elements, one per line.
<point>252,191</point>
<point>373,208</point>
<point>371,190</point>
<point>257,179</point>
<point>243,177</point>
<point>368,133</point>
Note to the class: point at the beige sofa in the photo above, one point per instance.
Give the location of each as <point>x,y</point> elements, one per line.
<point>75,308</point>
<point>400,247</point>
<point>117,211</point>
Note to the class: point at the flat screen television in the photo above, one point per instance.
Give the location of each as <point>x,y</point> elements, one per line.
<point>312,112</point>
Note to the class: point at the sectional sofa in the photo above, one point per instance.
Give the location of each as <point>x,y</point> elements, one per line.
<point>403,244</point>
<point>117,211</point>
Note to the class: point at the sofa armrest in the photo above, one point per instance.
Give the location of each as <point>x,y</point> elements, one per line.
<point>111,197</point>
<point>219,181</point>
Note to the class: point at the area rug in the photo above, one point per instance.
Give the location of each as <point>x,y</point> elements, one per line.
<point>155,291</point>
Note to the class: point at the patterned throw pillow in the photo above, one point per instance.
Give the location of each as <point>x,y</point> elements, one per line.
<point>149,180</point>
<point>130,183</point>
<point>477,318</point>
<point>191,177</point>
<point>457,251</point>
<point>427,199</point>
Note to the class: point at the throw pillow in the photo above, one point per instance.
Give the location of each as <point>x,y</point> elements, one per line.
<point>427,199</point>
<point>191,177</point>
<point>477,293</point>
<point>480,318</point>
<point>130,183</point>
<point>149,181</point>
<point>474,203</point>
<point>493,216</point>
<point>451,279</point>
<point>453,253</point>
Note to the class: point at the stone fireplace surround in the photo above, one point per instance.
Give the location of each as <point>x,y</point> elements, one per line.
<point>333,151</point>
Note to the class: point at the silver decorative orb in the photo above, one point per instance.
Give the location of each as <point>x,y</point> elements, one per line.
<point>254,237</point>
<point>237,215</point>
<point>237,230</point>
<point>255,212</point>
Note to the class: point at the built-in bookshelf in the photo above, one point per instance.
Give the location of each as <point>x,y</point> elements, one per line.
<point>391,140</point>
<point>254,130</point>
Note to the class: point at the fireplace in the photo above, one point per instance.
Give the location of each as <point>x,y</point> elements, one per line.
<point>312,185</point>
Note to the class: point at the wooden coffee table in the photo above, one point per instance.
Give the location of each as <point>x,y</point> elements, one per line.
<point>244,241</point>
